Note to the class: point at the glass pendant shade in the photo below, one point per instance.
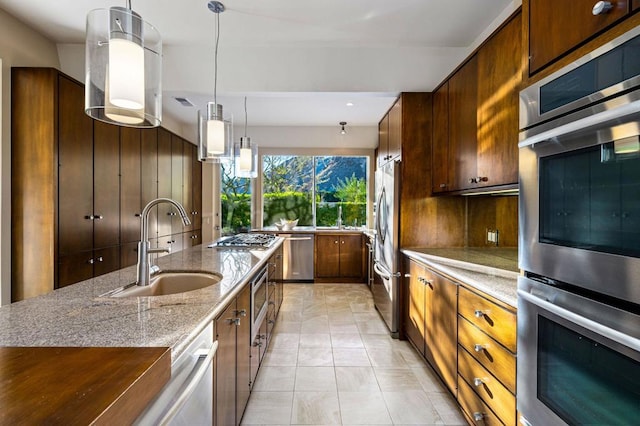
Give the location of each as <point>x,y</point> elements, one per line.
<point>215,135</point>
<point>123,69</point>
<point>246,158</point>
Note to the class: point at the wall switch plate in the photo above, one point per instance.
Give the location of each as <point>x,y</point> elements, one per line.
<point>492,236</point>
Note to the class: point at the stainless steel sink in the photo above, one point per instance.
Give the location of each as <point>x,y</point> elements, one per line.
<point>168,283</point>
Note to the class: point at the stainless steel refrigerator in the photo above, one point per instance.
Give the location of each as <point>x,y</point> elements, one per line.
<point>386,260</point>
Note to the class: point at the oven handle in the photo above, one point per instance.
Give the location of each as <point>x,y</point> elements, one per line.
<point>586,323</point>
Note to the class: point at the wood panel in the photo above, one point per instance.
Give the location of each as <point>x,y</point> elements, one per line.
<point>106,184</point>
<point>327,256</point>
<point>164,181</point>
<point>82,386</point>
<point>149,176</point>
<point>440,140</point>
<point>415,323</point>
<point>74,267</point>
<point>225,410</point>
<point>187,182</point>
<point>499,77</point>
<point>75,170</point>
<point>492,355</point>
<point>128,254</point>
<point>396,121</point>
<point>471,404</point>
<point>463,125</point>
<point>383,140</point>
<point>196,168</point>
<point>498,323</point>
<point>635,4</point>
<point>177,190</point>
<point>130,184</point>
<point>106,260</point>
<point>34,130</point>
<point>557,27</point>
<point>351,256</point>
<point>496,213</point>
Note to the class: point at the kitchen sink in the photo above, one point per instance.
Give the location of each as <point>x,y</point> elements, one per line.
<point>168,283</point>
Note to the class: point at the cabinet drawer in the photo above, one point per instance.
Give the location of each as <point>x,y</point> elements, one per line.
<point>476,410</point>
<point>489,317</point>
<point>494,357</point>
<point>492,392</point>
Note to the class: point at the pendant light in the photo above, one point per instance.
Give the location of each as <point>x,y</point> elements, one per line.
<point>123,68</point>
<point>342,130</point>
<point>246,153</point>
<point>215,134</point>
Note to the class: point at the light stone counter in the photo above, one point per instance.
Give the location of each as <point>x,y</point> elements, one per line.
<point>493,271</point>
<point>77,316</point>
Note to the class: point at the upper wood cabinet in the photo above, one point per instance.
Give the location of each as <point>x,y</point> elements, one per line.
<point>635,5</point>
<point>475,117</point>
<point>130,184</point>
<point>383,141</point>
<point>390,134</point>
<point>556,27</point>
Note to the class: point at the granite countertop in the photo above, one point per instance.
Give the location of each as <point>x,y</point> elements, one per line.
<point>314,230</point>
<point>493,271</point>
<point>77,315</point>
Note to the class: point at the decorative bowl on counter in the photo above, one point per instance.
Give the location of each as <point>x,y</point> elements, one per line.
<point>286,225</point>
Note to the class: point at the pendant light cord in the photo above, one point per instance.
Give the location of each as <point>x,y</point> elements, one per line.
<point>215,60</point>
<point>129,4</point>
<point>245,117</point>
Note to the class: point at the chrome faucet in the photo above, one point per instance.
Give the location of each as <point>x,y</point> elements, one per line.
<point>144,249</point>
<point>339,221</point>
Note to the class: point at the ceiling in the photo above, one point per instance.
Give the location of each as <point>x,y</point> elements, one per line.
<point>298,62</point>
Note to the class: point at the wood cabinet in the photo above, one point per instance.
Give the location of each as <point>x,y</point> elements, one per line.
<point>244,380</point>
<point>440,143</point>
<point>475,117</point>
<point>432,323</point>
<point>196,192</point>
<point>383,141</point>
<point>555,28</point>
<point>635,4</point>
<point>339,256</point>
<point>225,369</point>
<point>78,185</point>
<point>390,135</point>
<point>486,358</point>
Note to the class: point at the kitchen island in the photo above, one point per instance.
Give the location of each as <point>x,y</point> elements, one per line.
<point>80,316</point>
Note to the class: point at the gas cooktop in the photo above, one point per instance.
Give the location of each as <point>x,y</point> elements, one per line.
<point>246,240</point>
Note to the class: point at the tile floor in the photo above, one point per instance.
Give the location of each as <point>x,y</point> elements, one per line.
<point>331,361</point>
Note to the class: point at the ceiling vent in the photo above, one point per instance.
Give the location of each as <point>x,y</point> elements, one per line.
<point>184,101</point>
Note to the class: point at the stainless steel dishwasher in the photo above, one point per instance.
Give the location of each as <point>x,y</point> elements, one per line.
<point>297,253</point>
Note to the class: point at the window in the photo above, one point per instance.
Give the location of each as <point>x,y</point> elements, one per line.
<point>236,201</point>
<point>314,189</point>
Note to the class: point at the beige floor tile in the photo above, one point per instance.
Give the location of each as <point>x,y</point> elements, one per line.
<point>319,324</point>
<point>280,358</point>
<point>342,328</point>
<point>315,340</point>
<point>315,357</point>
<point>275,379</point>
<point>319,379</point>
<point>378,341</point>
<point>367,316</point>
<point>356,379</point>
<point>346,340</point>
<point>350,357</point>
<point>363,408</point>
<point>381,357</point>
<point>315,408</point>
<point>428,380</point>
<point>287,327</point>
<point>362,306</point>
<point>268,408</point>
<point>447,408</point>
<point>372,327</point>
<point>411,408</point>
<point>396,379</point>
<point>281,341</point>
<point>290,316</point>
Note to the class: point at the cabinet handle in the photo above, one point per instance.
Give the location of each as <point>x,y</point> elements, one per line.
<point>271,322</point>
<point>235,321</point>
<point>241,312</point>
<point>137,215</point>
<point>89,217</point>
<point>90,261</point>
<point>479,314</point>
<point>479,348</point>
<point>171,214</point>
<point>272,303</point>
<point>477,381</point>
<point>194,213</point>
<point>98,216</point>
<point>100,259</point>
<point>335,242</point>
<point>443,185</point>
<point>478,416</point>
<point>257,344</point>
<point>472,180</point>
<point>407,275</point>
<point>482,179</point>
<point>342,242</point>
<point>601,7</point>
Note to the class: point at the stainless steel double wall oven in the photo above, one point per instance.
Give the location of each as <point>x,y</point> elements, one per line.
<point>579,298</point>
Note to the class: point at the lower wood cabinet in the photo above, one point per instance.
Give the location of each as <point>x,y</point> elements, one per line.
<point>339,256</point>
<point>225,371</point>
<point>432,325</point>
<point>244,380</point>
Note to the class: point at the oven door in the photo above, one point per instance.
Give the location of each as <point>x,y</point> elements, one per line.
<point>259,298</point>
<point>578,359</point>
<point>580,209</point>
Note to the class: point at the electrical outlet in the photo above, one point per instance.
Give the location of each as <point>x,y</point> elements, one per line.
<point>492,236</point>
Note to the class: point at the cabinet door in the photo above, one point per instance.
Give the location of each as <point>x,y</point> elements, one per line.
<point>463,125</point>
<point>225,377</point>
<point>74,268</point>
<point>556,27</point>
<point>106,260</point>
<point>351,254</point>
<point>441,326</point>
<point>383,140</point>
<point>440,142</point>
<point>636,5</point>
<point>164,182</point>
<point>395,131</point>
<point>196,169</point>
<point>416,320</point>
<point>244,381</point>
<point>499,77</point>
<point>176,182</point>
<point>149,176</point>
<point>75,170</point>
<point>106,184</point>
<point>187,182</point>
<point>327,256</point>
<point>130,185</point>
<point>128,254</point>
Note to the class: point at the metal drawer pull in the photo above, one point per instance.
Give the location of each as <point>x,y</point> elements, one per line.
<point>479,314</point>
<point>478,416</point>
<point>235,321</point>
<point>601,7</point>
<point>242,313</point>
<point>257,344</point>
<point>477,381</point>
<point>91,261</point>
<point>479,348</point>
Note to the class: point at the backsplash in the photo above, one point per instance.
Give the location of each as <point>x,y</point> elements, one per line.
<point>488,214</point>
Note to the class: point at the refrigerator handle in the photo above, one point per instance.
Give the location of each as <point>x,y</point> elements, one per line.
<point>379,216</point>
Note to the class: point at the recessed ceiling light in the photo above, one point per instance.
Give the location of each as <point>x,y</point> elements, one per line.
<point>183,101</point>
<point>349,103</point>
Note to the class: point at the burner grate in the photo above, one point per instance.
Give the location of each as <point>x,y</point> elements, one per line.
<point>247,240</point>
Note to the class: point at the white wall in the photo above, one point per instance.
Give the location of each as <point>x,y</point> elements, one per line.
<point>19,46</point>
<point>357,137</point>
